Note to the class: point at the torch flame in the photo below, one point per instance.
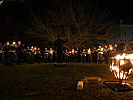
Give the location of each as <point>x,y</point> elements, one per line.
<point>121,66</point>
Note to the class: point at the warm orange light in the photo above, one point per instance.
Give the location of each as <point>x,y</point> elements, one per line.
<point>34,48</point>
<point>73,51</point>
<point>117,63</point>
<point>51,51</point>
<point>89,51</point>
<point>19,42</point>
<point>13,42</point>
<point>111,48</point>
<point>100,49</point>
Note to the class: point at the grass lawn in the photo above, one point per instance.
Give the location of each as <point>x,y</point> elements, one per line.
<point>46,82</point>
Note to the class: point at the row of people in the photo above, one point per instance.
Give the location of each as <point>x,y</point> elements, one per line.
<point>16,52</point>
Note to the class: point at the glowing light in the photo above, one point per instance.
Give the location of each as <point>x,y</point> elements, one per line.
<point>100,49</point>
<point>34,48</point>
<point>51,52</point>
<point>73,51</point>
<point>111,48</point>
<point>117,64</point>
<point>13,42</point>
<point>122,62</point>
<point>89,51</point>
<point>1,2</point>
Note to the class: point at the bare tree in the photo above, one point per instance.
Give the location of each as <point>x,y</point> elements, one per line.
<point>81,21</point>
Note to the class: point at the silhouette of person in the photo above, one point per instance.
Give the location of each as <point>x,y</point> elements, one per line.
<point>19,52</point>
<point>0,52</point>
<point>59,47</point>
<point>120,47</point>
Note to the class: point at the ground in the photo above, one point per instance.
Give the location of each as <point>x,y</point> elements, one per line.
<point>47,82</point>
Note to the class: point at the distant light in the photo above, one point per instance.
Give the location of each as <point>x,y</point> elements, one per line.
<point>1,2</point>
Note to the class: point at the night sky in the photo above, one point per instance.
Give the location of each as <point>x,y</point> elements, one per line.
<point>124,9</point>
<point>119,8</point>
<point>15,16</point>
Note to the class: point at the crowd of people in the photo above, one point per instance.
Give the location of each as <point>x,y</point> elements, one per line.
<point>17,53</point>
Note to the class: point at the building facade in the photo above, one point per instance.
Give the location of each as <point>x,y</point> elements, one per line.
<point>121,32</point>
<point>126,32</point>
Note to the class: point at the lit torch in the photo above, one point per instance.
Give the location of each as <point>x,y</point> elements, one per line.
<point>121,66</point>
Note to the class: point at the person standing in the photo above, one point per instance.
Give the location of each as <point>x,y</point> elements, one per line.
<point>19,52</point>
<point>84,56</point>
<point>120,48</point>
<point>8,60</point>
<point>78,55</point>
<point>46,55</point>
<point>1,52</point>
<point>38,54</point>
<point>94,55</point>
<point>100,53</point>
<point>130,43</point>
<point>88,56</point>
<point>105,53</point>
<point>59,46</point>
<point>11,53</point>
<point>51,51</point>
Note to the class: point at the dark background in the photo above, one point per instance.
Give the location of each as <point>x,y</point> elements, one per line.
<point>14,15</point>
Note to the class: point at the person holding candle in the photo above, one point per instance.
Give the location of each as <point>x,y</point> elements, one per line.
<point>19,52</point>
